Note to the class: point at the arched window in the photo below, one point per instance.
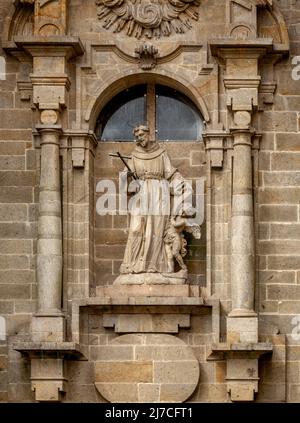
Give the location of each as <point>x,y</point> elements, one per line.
<point>170,115</point>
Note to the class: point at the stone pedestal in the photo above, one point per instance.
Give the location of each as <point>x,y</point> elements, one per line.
<point>162,321</point>
<point>157,367</point>
<point>144,290</point>
<point>242,329</point>
<point>148,361</point>
<point>48,328</point>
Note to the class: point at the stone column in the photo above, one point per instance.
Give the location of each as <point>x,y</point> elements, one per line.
<point>242,349</point>
<point>241,82</point>
<point>49,246</point>
<point>50,83</point>
<point>48,323</point>
<point>51,49</point>
<point>242,224</point>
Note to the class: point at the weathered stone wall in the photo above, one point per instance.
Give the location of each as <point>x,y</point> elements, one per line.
<point>278,211</point>
<point>18,228</point>
<point>277,197</point>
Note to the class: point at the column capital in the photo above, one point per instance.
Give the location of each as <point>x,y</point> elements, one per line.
<point>49,128</point>
<point>50,79</point>
<point>49,134</point>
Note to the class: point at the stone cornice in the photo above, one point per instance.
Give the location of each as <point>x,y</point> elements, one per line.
<point>46,80</point>
<point>233,83</point>
<point>59,349</point>
<point>228,48</point>
<point>231,47</point>
<point>53,46</point>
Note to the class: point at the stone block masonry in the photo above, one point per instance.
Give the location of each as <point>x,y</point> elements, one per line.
<point>59,68</point>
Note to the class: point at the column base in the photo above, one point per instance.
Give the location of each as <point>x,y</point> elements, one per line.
<point>242,312</point>
<point>48,328</point>
<point>51,312</point>
<point>242,329</point>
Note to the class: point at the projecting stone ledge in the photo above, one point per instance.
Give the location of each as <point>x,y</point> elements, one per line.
<point>26,42</point>
<point>240,350</point>
<point>136,312</point>
<point>157,308</point>
<point>51,349</point>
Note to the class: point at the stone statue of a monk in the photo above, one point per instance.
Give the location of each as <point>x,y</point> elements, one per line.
<point>155,238</point>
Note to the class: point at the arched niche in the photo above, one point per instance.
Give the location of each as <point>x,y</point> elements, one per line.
<point>115,85</point>
<point>189,156</point>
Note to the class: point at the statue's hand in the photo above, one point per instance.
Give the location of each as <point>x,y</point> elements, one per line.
<point>130,174</point>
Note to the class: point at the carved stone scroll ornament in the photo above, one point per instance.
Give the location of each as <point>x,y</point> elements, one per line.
<point>148,18</point>
<point>147,56</point>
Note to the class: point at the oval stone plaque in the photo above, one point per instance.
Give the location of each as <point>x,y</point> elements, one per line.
<point>146,368</point>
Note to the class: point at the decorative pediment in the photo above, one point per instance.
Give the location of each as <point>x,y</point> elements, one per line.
<point>148,18</point>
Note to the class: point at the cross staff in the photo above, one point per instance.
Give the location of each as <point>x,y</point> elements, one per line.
<point>117,154</point>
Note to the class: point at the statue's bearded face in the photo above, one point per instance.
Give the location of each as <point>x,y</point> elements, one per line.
<point>142,136</point>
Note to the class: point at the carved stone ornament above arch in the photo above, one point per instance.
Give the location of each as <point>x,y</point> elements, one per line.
<point>148,18</point>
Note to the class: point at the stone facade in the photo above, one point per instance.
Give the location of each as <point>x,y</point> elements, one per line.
<point>233,327</point>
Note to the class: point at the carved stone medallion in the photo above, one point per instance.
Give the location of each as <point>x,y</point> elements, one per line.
<point>148,18</point>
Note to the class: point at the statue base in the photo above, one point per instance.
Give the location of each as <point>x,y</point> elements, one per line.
<point>179,278</point>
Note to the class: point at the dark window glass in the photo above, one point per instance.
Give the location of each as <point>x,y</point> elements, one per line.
<point>122,114</point>
<point>176,116</point>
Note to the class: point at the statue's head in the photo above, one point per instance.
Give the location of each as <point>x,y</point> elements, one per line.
<point>141,134</point>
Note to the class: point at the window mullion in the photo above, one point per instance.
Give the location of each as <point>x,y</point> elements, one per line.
<point>151,110</point>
